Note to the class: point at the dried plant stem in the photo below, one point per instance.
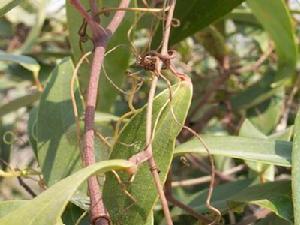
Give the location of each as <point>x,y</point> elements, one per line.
<point>205,179</point>
<point>152,163</point>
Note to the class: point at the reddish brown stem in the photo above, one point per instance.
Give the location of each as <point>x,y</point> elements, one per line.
<point>100,35</point>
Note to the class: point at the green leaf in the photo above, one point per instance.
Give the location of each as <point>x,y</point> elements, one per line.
<point>47,208</point>
<point>296,170</point>
<point>275,196</point>
<point>115,62</point>
<point>249,130</point>
<point>25,61</point>
<point>7,5</point>
<point>277,21</point>
<point>261,171</point>
<point>252,149</point>
<point>255,94</point>
<point>273,220</point>
<point>266,115</point>
<point>132,141</point>
<point>58,152</point>
<point>284,135</point>
<point>72,214</point>
<point>19,102</point>
<point>9,206</point>
<point>195,16</point>
<point>219,199</point>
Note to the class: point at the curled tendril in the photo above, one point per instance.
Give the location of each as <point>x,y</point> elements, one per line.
<point>9,137</point>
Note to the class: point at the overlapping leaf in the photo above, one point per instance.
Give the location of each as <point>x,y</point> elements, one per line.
<point>46,209</point>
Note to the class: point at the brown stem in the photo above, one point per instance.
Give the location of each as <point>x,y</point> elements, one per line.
<point>99,215</point>
<point>205,179</point>
<point>179,204</point>
<point>152,163</point>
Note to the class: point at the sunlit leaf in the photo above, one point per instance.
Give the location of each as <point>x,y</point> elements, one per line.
<point>47,208</point>
<point>252,149</point>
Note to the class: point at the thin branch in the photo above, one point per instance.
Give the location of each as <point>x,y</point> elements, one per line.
<point>100,36</point>
<point>26,187</point>
<point>175,202</point>
<point>254,67</point>
<point>205,179</point>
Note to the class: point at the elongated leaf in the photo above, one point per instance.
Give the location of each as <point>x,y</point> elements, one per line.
<point>249,130</point>
<point>25,61</point>
<point>296,170</point>
<point>46,209</point>
<point>58,153</point>
<point>7,5</point>
<point>196,15</point>
<point>273,220</point>
<point>277,21</point>
<point>266,115</point>
<point>131,141</point>
<point>116,62</point>
<point>275,196</point>
<point>219,200</point>
<point>18,103</point>
<point>252,149</point>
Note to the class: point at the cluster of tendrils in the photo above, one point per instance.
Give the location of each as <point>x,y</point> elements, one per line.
<point>150,62</point>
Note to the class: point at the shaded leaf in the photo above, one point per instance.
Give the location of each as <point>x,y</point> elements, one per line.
<point>266,115</point>
<point>7,5</point>
<point>252,149</point>
<point>219,200</point>
<point>277,21</point>
<point>196,15</point>
<point>273,220</point>
<point>255,94</point>
<point>132,140</point>
<point>25,61</point>
<point>275,196</point>
<point>58,152</point>
<point>46,209</point>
